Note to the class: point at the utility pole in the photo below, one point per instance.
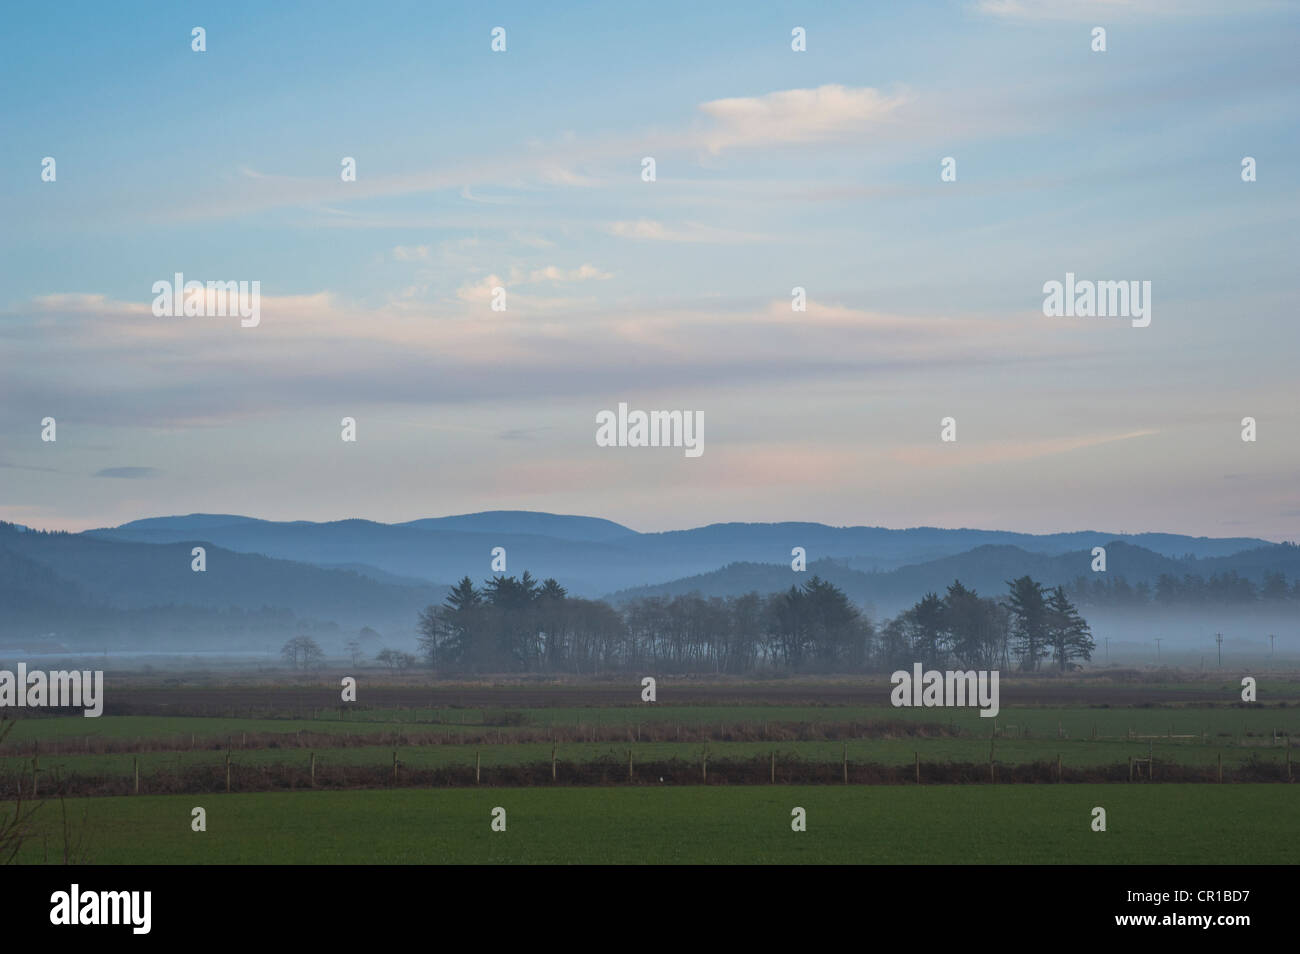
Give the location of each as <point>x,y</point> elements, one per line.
<point>1107,650</point>
<point>1157,650</point>
<point>1270,645</point>
<point>1218,638</point>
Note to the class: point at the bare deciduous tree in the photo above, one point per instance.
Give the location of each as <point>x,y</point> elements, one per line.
<point>302,652</point>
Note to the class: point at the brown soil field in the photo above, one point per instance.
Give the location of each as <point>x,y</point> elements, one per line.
<point>206,695</point>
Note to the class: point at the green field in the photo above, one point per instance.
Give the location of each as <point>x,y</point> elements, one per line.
<point>1222,719</point>
<point>885,752</point>
<point>1083,736</point>
<point>1040,824</point>
<point>1075,722</point>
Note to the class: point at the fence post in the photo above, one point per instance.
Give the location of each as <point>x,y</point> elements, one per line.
<point>774,766</point>
<point>477,767</point>
<point>552,761</point>
<point>1220,766</point>
<point>1130,768</point>
<point>918,767</point>
<point>36,766</point>
<point>704,767</point>
<point>1058,767</point>
<point>846,763</point>
<point>136,766</point>
<point>227,772</point>
<point>629,765</point>
<point>313,770</point>
<point>394,765</point>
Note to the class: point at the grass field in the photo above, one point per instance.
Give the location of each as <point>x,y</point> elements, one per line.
<point>355,810</point>
<point>1075,722</point>
<point>886,752</point>
<point>1169,824</point>
<point>1187,723</point>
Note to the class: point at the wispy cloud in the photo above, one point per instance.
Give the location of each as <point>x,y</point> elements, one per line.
<point>1100,10</point>
<point>823,114</point>
<point>103,354</point>
<point>552,273</point>
<point>1003,452</point>
<point>9,465</point>
<point>689,232</point>
<point>128,473</point>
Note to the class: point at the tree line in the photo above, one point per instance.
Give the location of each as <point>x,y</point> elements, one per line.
<point>525,625</point>
<point>1191,589</point>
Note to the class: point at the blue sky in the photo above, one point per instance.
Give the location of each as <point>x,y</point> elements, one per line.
<point>775,169</point>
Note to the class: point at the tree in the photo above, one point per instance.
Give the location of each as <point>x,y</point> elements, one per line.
<point>1068,633</point>
<point>353,648</point>
<point>975,627</point>
<point>448,632</point>
<point>815,620</point>
<point>395,659</point>
<point>924,624</point>
<point>552,613</point>
<point>1029,621</point>
<point>1274,586</point>
<point>513,638</point>
<point>302,652</point>
<point>833,630</point>
<point>895,651</point>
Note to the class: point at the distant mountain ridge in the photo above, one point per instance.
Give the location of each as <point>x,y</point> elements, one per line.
<point>985,569</point>
<point>593,556</point>
<point>267,578</point>
<point>84,582</point>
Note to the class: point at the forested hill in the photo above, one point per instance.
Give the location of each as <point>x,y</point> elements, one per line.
<point>69,582</point>
<point>595,557</point>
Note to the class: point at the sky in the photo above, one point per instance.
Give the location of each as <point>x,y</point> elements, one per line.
<point>522,169</point>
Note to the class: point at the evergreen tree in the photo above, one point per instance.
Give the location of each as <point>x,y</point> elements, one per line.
<point>1068,631</point>
<point>1029,622</point>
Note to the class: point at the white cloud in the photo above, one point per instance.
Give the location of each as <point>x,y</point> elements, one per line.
<point>1099,10</point>
<point>580,274</point>
<point>687,232</point>
<point>798,116</point>
<point>480,291</point>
